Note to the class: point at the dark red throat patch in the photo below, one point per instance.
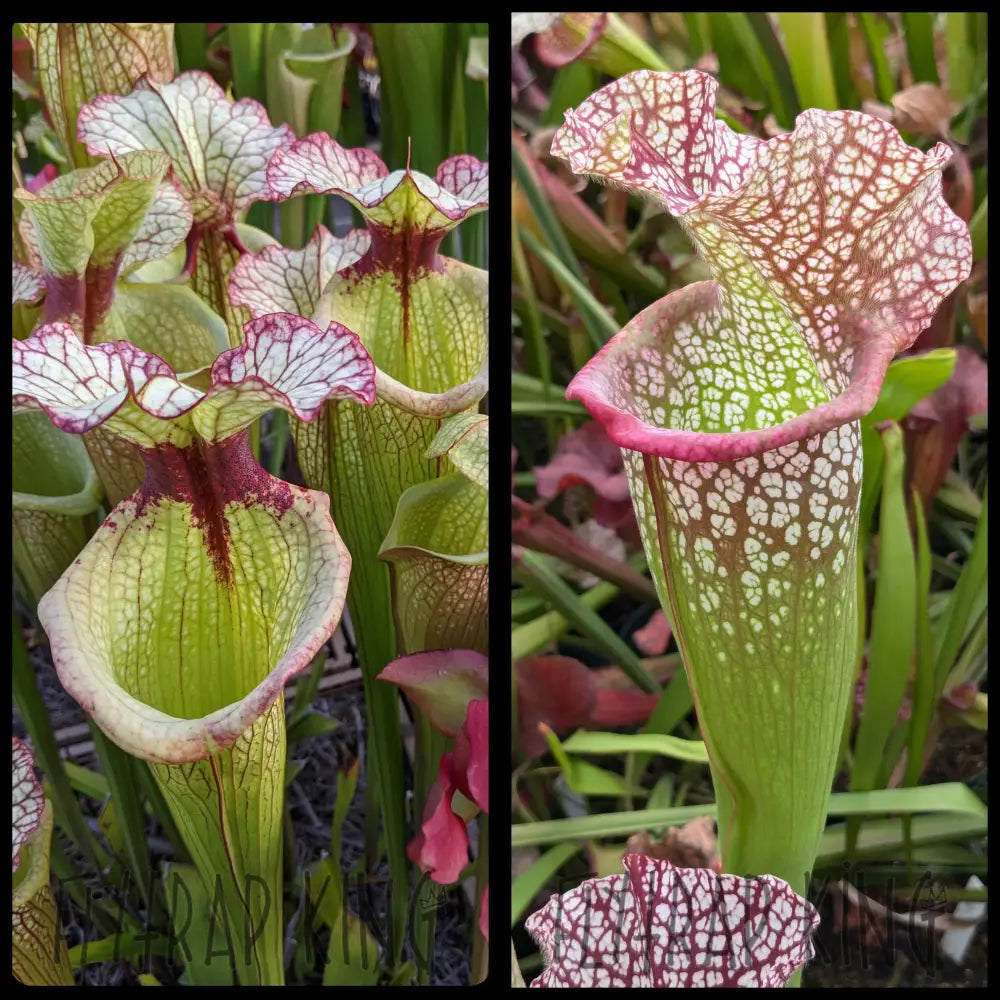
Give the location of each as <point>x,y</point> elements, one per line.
<point>208,476</point>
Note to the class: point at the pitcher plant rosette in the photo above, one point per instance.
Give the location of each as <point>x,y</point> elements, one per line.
<point>736,403</point>
<point>203,592</point>
<point>423,318</point>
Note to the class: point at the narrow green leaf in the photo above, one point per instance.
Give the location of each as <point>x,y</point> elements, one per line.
<point>893,618</point>
<point>674,704</point>
<point>876,32</point>
<point>887,837</point>
<point>311,724</point>
<point>191,38</point>
<point>417,64</point>
<point>121,771</point>
<point>86,782</point>
<point>534,636</point>
<point>347,785</point>
<point>918,27</point>
<point>924,687</point>
<point>583,742</point>
<point>757,68</point>
<point>535,571</point>
<point>958,614</point>
<point>307,686</point>
<point>118,947</point>
<point>957,813</point>
<point>543,212</point>
<point>907,381</point>
<point>809,59</point>
<point>352,956</point>
<point>599,323</point>
<point>530,882</point>
<point>528,388</point>
<point>698,33</point>
<point>839,45</point>
<point>570,86</point>
<point>581,776</point>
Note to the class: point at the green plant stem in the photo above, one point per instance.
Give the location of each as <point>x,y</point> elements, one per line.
<point>480,947</point>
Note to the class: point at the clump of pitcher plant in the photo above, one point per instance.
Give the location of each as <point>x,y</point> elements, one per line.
<point>423,318</point>
<point>736,404</point>
<point>202,593</point>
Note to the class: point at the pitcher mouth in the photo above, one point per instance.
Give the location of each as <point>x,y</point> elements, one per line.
<point>626,429</point>
<point>89,674</point>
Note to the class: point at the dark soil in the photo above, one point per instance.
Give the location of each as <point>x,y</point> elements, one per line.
<point>311,798</point>
<point>875,956</point>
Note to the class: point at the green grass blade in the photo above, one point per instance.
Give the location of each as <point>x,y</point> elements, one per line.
<point>581,776</point>
<point>558,831</point>
<point>964,598</point>
<point>584,742</point>
<point>347,785</point>
<point>673,706</point>
<point>536,572</point>
<point>918,27</point>
<point>924,688</point>
<point>907,381</point>
<point>86,782</point>
<point>571,86</point>
<point>534,330</point>
<point>120,947</point>
<point>417,67</point>
<point>534,636</point>
<point>532,881</point>
<point>893,619</point>
<point>756,68</point>
<point>961,60</point>
<point>699,36</point>
<point>876,33</point>
<point>887,837</point>
<point>809,59</point>
<point>952,807</point>
<point>542,210</point>
<point>121,770</point>
<point>599,323</point>
<point>839,45</point>
<point>545,408</point>
<point>160,809</point>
